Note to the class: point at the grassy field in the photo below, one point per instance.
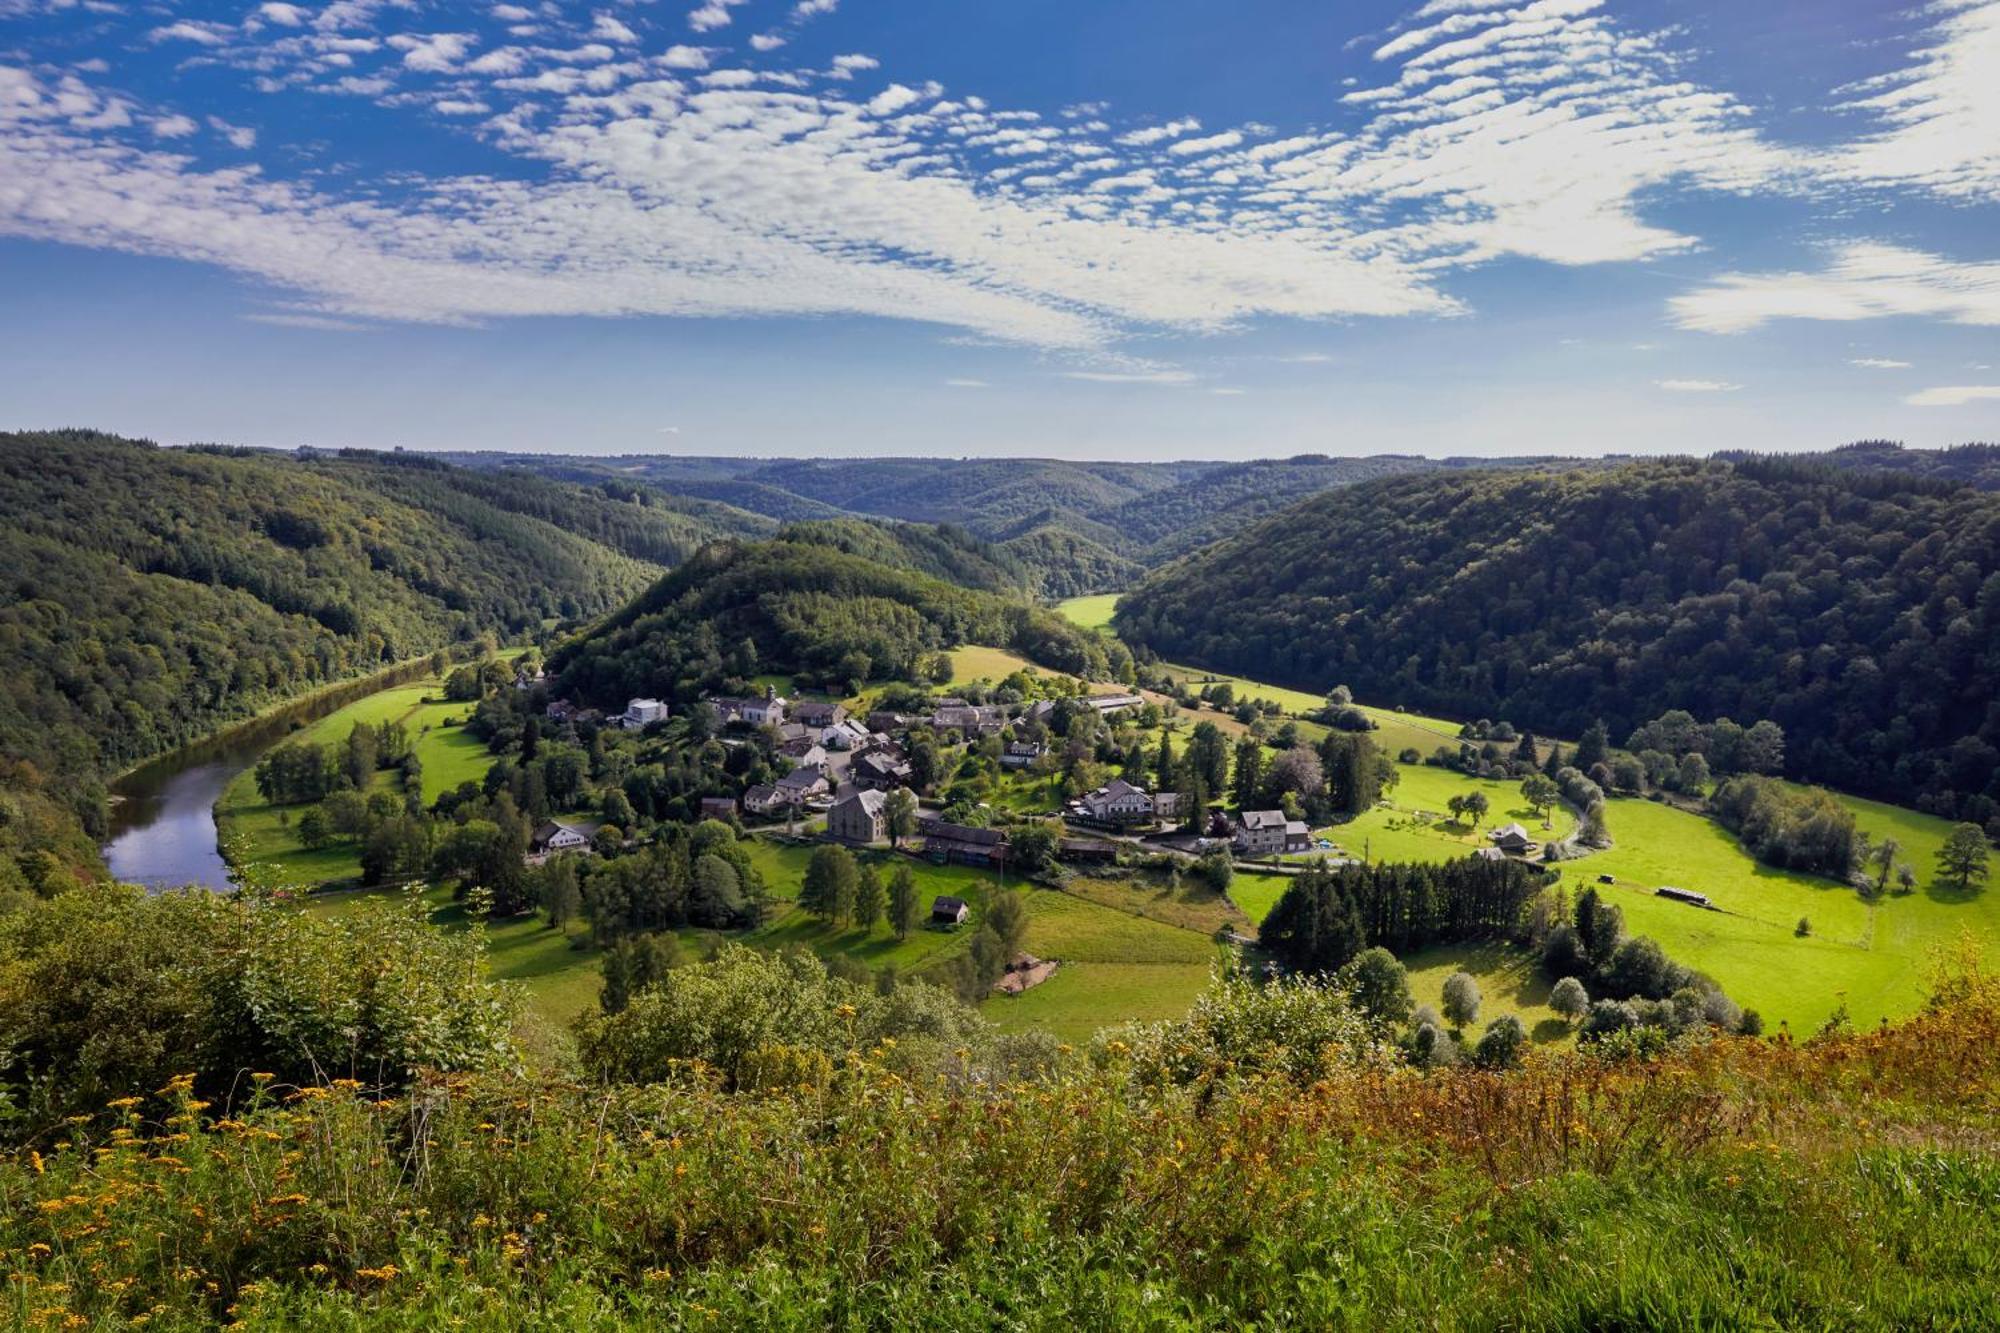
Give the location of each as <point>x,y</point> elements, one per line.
<point>989,664</point>
<point>1073,1003</point>
<point>1509,983</point>
<point>1093,612</point>
<point>1871,954</point>
<point>450,755</point>
<point>1413,824</point>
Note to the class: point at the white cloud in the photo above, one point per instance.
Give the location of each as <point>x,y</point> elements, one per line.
<point>284,15</point>
<point>239,136</point>
<point>966,384</point>
<point>806,9</point>
<point>1956,395</point>
<point>1697,386</point>
<point>714,14</point>
<point>892,99</point>
<point>191,30</point>
<point>318,323</point>
<point>609,29</point>
<point>845,67</point>
<point>433,53</point>
<point>173,127</point>
<point>1153,134</point>
<point>1878,363</point>
<point>1941,113</point>
<point>684,57</point>
<point>1306,359</point>
<point>1210,144</point>
<point>766,41</point>
<point>1863,281</point>
<point>1229,393</point>
<point>1162,376</point>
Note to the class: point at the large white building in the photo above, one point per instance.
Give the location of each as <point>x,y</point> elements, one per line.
<point>640,713</point>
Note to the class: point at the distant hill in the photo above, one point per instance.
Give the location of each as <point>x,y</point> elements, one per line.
<point>153,595</point>
<point>833,603</point>
<point>1968,464</point>
<point>1071,527</point>
<point>1859,611</point>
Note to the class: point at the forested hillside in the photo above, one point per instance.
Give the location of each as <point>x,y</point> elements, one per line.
<point>1973,464</point>
<point>838,604</point>
<point>1860,612</point>
<point>152,595</point>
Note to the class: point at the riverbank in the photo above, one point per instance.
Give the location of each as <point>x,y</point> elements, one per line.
<point>162,825</point>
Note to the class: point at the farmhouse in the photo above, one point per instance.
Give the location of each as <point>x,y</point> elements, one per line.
<point>859,817</point>
<point>1268,832</point>
<point>640,713</point>
<point>1512,839</point>
<point>962,845</point>
<point>803,782</point>
<point>556,836</point>
<point>767,799</point>
<point>1119,803</point>
<point>881,769</point>
<point>817,713</point>
<point>949,912</point>
<point>718,807</point>
<point>1020,754</point>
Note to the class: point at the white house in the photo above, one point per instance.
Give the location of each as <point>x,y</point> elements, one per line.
<point>1119,802</point>
<point>640,713</point>
<point>768,711</point>
<point>556,836</point>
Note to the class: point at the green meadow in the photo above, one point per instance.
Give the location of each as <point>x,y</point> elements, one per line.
<point>260,832</point>
<point>1092,612</point>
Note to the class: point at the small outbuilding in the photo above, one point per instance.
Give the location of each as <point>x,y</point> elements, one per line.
<point>949,913</point>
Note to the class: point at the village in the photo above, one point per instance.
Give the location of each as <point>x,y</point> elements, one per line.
<point>854,780</point>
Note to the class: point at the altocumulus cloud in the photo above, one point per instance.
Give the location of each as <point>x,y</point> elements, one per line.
<point>695,181</point>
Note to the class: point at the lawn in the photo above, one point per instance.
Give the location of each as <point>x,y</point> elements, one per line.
<point>1093,612</point>
<point>1510,982</point>
<point>1083,997</point>
<point>1872,954</point>
<point>1413,826</point>
<point>1257,892</point>
<point>988,664</point>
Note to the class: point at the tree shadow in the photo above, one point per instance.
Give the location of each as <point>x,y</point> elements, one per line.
<point>1951,895</point>
<point>1550,1029</point>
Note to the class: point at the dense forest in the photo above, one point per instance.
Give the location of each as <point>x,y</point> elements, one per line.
<point>1972,464</point>
<point>1858,611</point>
<point>152,594</point>
<point>809,604</point>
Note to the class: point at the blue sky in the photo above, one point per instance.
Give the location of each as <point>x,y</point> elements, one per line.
<point>1113,230</point>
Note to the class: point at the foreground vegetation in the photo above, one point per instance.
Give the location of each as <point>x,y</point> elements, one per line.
<point>1266,1160</point>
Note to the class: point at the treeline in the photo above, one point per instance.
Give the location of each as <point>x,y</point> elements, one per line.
<point>799,605</point>
<point>1858,613</point>
<point>154,595</point>
<point>1329,915</point>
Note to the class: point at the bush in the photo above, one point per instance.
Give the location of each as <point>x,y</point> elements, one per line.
<point>1503,1043</point>
<point>107,992</point>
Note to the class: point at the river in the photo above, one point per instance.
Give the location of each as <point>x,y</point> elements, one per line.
<point>163,812</point>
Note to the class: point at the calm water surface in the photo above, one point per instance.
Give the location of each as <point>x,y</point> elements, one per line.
<point>163,815</point>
